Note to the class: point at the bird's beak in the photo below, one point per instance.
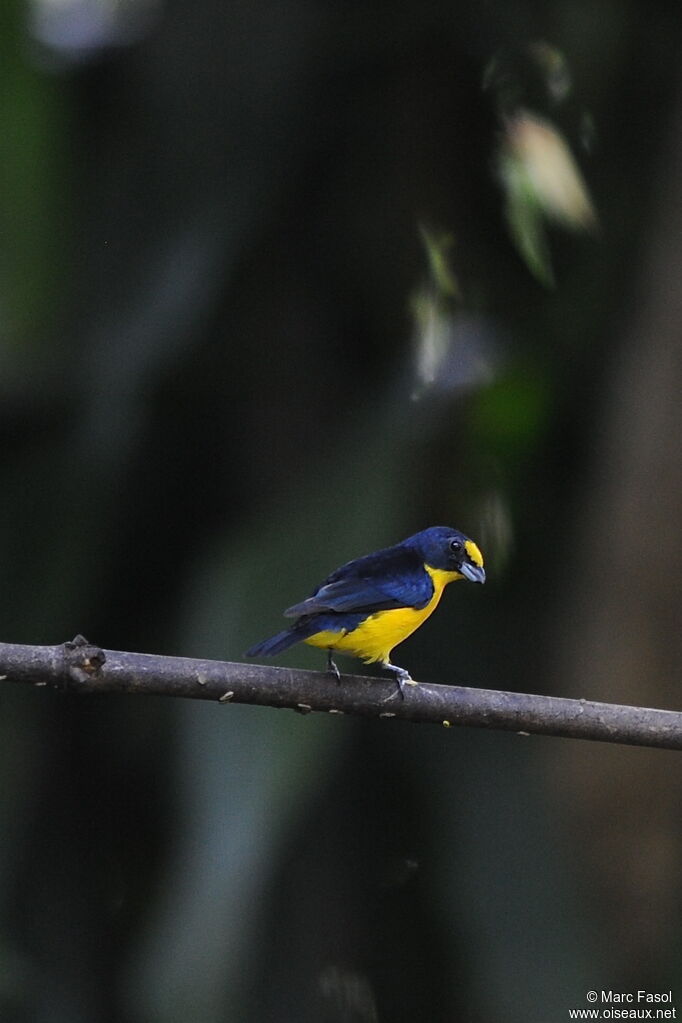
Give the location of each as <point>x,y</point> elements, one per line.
<point>473,573</point>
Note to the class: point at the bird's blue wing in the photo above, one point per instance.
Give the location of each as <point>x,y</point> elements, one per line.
<point>388,579</point>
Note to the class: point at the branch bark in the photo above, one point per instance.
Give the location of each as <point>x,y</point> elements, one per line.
<point>78,666</point>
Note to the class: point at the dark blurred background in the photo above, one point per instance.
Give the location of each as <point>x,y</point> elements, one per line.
<point>281,284</point>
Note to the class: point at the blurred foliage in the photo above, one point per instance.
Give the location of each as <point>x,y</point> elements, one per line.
<point>541,181</point>
<point>262,310</point>
<point>536,168</point>
<point>32,224</point>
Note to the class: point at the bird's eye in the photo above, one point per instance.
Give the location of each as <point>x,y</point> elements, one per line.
<point>455,546</point>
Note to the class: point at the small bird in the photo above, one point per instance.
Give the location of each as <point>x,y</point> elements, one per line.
<point>370,605</point>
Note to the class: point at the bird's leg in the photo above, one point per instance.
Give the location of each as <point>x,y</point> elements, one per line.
<point>402,677</point>
<point>331,666</point>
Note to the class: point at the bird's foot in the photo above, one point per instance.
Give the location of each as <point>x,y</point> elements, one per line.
<point>402,677</point>
<point>332,667</point>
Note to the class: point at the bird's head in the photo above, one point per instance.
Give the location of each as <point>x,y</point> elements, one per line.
<point>450,551</point>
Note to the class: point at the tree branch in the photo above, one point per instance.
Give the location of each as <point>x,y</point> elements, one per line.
<point>80,667</point>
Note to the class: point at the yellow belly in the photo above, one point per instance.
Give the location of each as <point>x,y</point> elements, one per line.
<point>373,639</point>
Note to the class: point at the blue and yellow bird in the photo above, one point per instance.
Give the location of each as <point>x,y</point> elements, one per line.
<point>370,605</point>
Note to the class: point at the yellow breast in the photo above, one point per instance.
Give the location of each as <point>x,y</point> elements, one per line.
<point>373,639</point>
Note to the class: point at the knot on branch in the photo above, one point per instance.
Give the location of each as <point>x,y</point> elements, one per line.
<point>82,660</point>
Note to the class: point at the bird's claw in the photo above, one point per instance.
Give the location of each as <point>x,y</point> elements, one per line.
<point>332,667</point>
<point>402,677</point>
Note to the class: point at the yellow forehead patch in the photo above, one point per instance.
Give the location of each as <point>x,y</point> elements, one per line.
<point>474,553</point>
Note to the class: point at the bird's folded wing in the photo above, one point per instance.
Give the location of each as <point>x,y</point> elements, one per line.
<point>378,582</point>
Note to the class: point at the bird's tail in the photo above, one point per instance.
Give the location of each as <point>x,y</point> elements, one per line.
<point>306,626</point>
<point>275,644</point>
